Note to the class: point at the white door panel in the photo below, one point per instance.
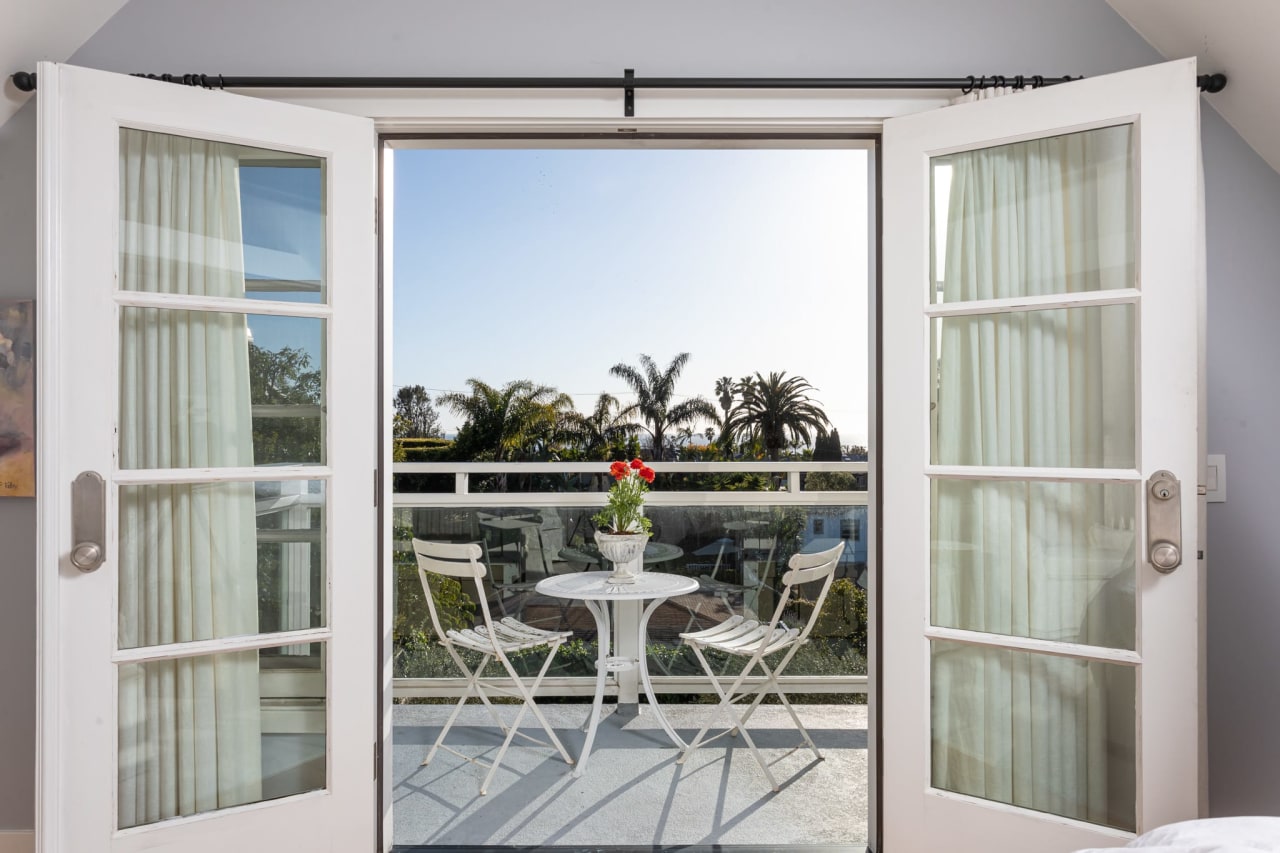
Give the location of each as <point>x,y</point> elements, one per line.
<point>1040,364</point>
<point>207,290</point>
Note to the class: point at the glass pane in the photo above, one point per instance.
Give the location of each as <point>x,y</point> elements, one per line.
<point>205,561</point>
<point>214,219</point>
<point>1054,561</point>
<point>205,733</point>
<point>1038,217</point>
<point>204,389</point>
<point>1050,388</point>
<point>1041,732</point>
<point>738,554</point>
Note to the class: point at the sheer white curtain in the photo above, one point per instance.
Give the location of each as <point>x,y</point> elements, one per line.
<point>190,733</point>
<point>1043,388</point>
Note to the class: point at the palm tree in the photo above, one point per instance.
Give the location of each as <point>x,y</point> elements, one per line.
<point>654,389</point>
<point>777,409</point>
<point>603,433</point>
<point>516,420</point>
<point>724,390</point>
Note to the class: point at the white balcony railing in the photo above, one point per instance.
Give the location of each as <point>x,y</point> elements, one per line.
<point>569,484</point>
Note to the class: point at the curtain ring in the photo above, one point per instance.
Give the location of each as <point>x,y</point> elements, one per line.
<point>965,90</point>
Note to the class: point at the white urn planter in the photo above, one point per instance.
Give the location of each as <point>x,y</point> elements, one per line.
<point>626,552</point>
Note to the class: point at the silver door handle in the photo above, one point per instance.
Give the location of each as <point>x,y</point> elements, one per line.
<point>88,521</point>
<point>1164,522</point>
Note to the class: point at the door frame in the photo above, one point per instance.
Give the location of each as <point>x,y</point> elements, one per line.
<point>583,131</point>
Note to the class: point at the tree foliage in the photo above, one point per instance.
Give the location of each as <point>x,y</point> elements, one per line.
<point>602,434</point>
<point>776,410</point>
<point>520,420</point>
<point>826,447</point>
<point>655,391</point>
<point>415,416</point>
<point>279,378</point>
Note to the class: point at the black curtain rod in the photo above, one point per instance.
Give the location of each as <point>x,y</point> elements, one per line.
<point>25,81</point>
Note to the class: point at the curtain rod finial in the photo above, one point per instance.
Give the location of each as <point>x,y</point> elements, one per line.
<point>1211,83</point>
<point>24,81</point>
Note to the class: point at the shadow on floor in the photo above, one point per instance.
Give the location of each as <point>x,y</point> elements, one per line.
<point>632,793</point>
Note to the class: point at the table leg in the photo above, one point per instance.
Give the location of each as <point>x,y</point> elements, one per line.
<point>642,637</point>
<point>627,624</point>
<point>600,610</point>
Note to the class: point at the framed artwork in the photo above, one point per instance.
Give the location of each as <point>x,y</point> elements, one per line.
<point>17,400</point>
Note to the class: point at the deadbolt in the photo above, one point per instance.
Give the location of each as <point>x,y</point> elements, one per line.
<point>1163,487</point>
<point>1164,521</point>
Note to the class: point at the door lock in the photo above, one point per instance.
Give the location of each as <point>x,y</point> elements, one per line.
<point>88,521</point>
<point>1164,521</point>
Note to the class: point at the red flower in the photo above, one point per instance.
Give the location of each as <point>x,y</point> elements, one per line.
<point>618,470</point>
<point>637,463</point>
<point>647,473</point>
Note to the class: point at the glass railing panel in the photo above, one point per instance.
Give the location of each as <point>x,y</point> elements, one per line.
<point>738,554</point>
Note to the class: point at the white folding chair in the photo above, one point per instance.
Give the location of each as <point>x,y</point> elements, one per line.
<point>492,640</point>
<point>754,640</point>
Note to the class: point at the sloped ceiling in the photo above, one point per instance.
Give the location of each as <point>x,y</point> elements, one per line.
<point>44,29</point>
<point>1240,38</point>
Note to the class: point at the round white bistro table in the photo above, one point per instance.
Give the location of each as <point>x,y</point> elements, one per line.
<point>593,590</point>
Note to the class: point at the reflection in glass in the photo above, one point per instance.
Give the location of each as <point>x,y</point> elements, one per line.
<point>193,737</point>
<point>1042,732</point>
<point>204,218</point>
<point>205,389</point>
<point>1054,561</point>
<point>202,561</point>
<point>1043,216</point>
<point>1050,388</point>
<point>738,554</point>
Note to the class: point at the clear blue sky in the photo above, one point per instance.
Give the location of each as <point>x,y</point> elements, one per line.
<point>553,265</point>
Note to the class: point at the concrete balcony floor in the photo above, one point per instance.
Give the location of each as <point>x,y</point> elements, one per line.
<point>632,792</point>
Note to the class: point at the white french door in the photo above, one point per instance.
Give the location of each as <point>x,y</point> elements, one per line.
<point>1041,367</point>
<point>208,532</point>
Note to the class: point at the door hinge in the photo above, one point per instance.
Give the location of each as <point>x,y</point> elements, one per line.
<point>377,759</point>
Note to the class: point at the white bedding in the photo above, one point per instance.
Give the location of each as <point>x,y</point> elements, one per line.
<point>1212,835</point>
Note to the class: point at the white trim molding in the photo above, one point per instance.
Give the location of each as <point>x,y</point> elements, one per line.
<point>17,841</point>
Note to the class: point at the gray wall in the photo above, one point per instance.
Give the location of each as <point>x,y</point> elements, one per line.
<point>17,515</point>
<point>1242,217</point>
<point>748,37</point>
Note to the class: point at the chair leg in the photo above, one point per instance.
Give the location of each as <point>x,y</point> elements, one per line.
<point>726,706</point>
<point>786,703</point>
<point>702,733</point>
<point>473,679</point>
<point>527,692</point>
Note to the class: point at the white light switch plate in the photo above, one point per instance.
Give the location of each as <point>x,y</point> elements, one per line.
<point>1215,480</point>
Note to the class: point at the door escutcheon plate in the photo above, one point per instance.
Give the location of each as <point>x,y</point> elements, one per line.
<point>1164,521</point>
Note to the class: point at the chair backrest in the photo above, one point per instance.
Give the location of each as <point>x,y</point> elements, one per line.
<point>807,568</point>
<point>455,560</point>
